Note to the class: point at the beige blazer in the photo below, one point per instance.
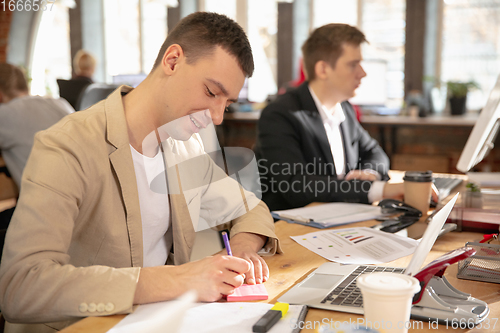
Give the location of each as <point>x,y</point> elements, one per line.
<point>74,246</point>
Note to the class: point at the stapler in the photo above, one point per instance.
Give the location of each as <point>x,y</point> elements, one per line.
<point>409,216</point>
<point>439,300</point>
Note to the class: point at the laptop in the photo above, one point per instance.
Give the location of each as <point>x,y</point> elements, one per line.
<point>332,286</point>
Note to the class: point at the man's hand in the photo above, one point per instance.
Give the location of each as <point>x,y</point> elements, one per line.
<point>397,191</point>
<point>370,175</point>
<point>211,277</point>
<point>245,245</point>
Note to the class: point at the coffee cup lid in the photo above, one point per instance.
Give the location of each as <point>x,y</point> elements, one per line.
<point>388,283</point>
<point>418,176</point>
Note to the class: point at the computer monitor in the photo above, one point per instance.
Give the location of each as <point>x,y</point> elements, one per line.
<point>483,135</point>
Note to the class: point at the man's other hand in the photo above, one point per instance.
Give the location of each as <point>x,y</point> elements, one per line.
<point>245,245</point>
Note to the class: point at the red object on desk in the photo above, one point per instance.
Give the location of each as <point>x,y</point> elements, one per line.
<point>249,292</point>
<point>438,266</point>
<point>489,237</point>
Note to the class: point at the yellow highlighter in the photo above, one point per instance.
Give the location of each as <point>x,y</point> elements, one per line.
<point>271,317</point>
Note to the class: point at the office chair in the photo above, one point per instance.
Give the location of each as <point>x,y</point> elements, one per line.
<point>94,93</point>
<point>71,90</point>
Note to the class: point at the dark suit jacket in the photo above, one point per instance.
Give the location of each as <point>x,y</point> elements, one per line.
<point>295,159</point>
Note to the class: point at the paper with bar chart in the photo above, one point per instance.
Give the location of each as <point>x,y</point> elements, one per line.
<point>357,245</point>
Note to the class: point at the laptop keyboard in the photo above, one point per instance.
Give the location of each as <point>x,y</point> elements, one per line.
<point>446,184</point>
<point>347,293</point>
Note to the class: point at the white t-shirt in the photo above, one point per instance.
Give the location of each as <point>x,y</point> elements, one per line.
<point>155,209</point>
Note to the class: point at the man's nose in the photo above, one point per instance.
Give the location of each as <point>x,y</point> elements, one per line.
<point>217,113</point>
<point>363,73</point>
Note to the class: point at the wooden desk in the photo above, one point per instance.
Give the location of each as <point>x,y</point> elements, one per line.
<point>297,262</point>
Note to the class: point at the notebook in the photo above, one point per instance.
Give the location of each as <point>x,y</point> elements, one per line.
<point>332,286</point>
<point>329,214</point>
<point>249,292</point>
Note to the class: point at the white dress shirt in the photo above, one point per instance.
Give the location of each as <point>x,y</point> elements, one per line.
<point>332,118</point>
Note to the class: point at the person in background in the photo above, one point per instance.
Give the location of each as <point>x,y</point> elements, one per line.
<point>310,147</point>
<point>73,90</point>
<point>92,237</point>
<point>21,116</point>
<point>84,66</point>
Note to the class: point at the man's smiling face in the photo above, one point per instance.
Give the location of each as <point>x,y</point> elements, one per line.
<point>198,93</point>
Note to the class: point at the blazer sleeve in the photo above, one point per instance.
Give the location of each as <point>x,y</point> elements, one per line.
<point>37,282</point>
<point>371,155</point>
<point>283,163</point>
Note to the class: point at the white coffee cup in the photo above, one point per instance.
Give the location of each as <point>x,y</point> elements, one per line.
<point>387,299</point>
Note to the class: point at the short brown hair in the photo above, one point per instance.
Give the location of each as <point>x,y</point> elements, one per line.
<point>325,43</point>
<point>12,80</point>
<point>199,33</point>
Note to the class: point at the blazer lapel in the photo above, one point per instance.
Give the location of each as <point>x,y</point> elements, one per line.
<point>120,158</point>
<point>350,156</point>
<point>317,127</point>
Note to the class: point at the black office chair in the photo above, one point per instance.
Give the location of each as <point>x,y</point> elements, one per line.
<point>94,93</point>
<point>71,90</point>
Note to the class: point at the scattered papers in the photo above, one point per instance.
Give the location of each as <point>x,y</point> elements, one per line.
<point>357,245</point>
<point>330,214</point>
<point>205,318</point>
<point>156,317</point>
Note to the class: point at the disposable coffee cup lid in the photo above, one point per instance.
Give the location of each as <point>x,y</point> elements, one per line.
<point>418,176</point>
<point>388,283</point>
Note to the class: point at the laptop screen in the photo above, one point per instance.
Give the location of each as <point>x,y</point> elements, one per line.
<point>429,238</point>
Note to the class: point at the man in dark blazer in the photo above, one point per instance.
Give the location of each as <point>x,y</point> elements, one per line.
<point>310,146</point>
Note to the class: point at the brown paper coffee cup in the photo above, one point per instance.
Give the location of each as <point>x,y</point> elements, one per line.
<point>418,187</point>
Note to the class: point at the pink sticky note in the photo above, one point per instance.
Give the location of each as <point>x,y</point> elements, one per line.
<point>248,292</point>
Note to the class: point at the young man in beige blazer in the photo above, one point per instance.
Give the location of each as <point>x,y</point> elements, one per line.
<point>77,245</point>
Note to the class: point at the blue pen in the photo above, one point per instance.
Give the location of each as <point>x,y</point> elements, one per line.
<point>226,243</point>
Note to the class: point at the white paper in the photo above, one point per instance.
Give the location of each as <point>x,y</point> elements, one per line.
<point>234,317</point>
<point>334,213</point>
<point>157,317</point>
<point>357,245</point>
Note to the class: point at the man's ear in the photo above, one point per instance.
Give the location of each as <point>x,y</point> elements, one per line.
<point>171,58</point>
<point>320,69</point>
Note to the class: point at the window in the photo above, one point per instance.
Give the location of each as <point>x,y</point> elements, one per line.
<point>226,7</point>
<point>122,43</point>
<point>52,55</point>
<point>471,45</point>
<point>261,28</point>
<point>384,22</point>
<point>334,11</point>
<point>154,31</point>
<point>262,33</point>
